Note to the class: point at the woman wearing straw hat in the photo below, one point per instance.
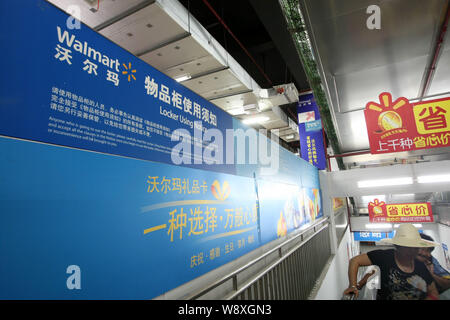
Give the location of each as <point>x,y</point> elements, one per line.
<point>402,276</point>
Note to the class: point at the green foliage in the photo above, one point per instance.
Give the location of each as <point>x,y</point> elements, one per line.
<point>300,36</point>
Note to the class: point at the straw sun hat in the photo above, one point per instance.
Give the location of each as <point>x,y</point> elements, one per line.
<point>408,236</point>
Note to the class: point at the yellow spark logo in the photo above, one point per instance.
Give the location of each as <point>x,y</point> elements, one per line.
<point>389,120</point>
<point>129,71</point>
<point>220,193</point>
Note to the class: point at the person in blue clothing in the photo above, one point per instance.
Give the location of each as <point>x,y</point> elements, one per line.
<point>439,274</point>
<point>402,276</point>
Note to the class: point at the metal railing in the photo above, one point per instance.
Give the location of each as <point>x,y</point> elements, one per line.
<point>291,276</point>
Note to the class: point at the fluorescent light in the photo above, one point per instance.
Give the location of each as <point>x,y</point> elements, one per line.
<point>236,111</point>
<point>403,195</point>
<point>182,78</point>
<point>380,197</point>
<point>384,182</point>
<point>417,225</point>
<point>255,120</point>
<point>264,104</point>
<point>435,178</point>
<point>290,136</point>
<point>264,93</point>
<point>378,226</point>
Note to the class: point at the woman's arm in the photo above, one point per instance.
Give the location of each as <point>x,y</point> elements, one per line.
<point>442,282</point>
<point>432,293</point>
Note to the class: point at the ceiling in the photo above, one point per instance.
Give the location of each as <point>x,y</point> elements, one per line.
<point>260,27</point>
<point>357,64</point>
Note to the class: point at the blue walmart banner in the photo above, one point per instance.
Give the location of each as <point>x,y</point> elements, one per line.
<point>310,132</point>
<point>76,88</point>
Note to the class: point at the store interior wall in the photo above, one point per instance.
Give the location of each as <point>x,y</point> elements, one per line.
<point>444,235</point>
<point>432,230</point>
<point>336,279</point>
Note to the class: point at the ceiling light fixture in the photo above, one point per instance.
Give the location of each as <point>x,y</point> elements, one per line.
<point>183,78</point>
<point>255,120</point>
<point>417,225</point>
<point>381,197</point>
<point>379,226</point>
<point>290,136</point>
<point>236,111</point>
<point>385,182</point>
<point>434,178</point>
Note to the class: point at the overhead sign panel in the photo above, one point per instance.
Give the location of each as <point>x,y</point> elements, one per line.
<point>398,125</point>
<point>374,236</point>
<point>310,132</point>
<point>379,211</point>
<point>371,236</point>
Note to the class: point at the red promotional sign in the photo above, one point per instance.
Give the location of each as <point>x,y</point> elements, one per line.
<point>379,211</point>
<point>396,126</point>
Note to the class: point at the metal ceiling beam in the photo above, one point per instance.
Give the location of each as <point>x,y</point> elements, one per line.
<point>438,45</point>
<point>410,100</point>
<point>206,73</point>
<point>170,41</point>
<point>124,14</point>
<point>230,95</point>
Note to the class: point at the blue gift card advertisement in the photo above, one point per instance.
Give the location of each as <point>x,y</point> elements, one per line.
<point>91,204</point>
<point>134,228</point>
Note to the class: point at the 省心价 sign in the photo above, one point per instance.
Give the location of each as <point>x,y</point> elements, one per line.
<point>397,126</point>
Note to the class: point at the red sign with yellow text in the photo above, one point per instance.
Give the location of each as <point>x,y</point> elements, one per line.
<point>379,211</point>
<point>396,126</point>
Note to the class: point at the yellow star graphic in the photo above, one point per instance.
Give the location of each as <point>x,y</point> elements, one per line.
<point>129,71</point>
